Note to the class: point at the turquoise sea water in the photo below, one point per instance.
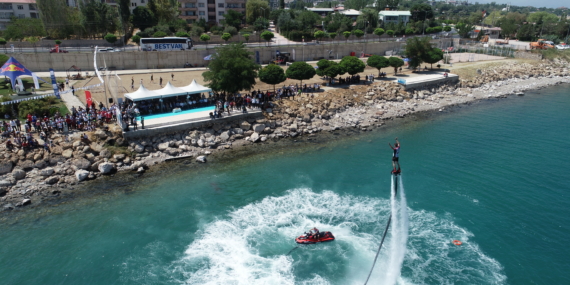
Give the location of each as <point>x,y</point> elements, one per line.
<point>493,175</point>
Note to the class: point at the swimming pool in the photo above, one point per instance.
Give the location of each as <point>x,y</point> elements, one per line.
<point>203,109</point>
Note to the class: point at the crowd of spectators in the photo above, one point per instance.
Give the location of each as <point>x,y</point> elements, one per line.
<point>24,134</point>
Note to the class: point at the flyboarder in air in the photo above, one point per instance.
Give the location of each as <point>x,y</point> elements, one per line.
<point>395,156</point>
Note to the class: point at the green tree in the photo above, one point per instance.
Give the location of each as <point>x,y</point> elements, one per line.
<point>378,62</point>
<point>136,39</point>
<point>57,42</point>
<point>125,14</point>
<point>272,74</point>
<point>182,34</point>
<point>432,56</point>
<point>447,28</point>
<point>358,33</point>
<point>417,49</point>
<point>463,29</point>
<point>334,70</point>
<point>33,41</point>
<point>231,30</point>
<point>205,38</point>
<point>395,62</point>
<point>319,35</point>
<point>232,70</point>
<point>281,4</point>
<point>255,9</point>
<point>390,33</point>
<point>196,31</point>
<point>346,35</point>
<point>110,38</point>
<point>322,65</point>
<point>226,37</point>
<point>3,43</point>
<point>267,36</point>
<point>260,24</point>
<point>159,34</point>
<point>233,19</point>
<point>332,36</point>
<point>18,29</point>
<point>59,20</point>
<point>352,65</point>
<point>379,32</point>
<point>143,18</point>
<point>300,70</point>
<point>246,37</point>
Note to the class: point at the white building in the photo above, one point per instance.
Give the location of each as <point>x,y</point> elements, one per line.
<point>394,16</point>
<point>18,9</point>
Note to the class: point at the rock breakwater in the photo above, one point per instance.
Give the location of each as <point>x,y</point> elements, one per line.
<point>27,177</point>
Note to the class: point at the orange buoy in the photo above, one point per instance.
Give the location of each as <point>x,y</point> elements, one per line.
<point>456,242</point>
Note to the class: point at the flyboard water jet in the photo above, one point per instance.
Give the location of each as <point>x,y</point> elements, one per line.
<point>395,177</point>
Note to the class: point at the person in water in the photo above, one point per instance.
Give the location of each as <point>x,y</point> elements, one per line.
<point>396,155</point>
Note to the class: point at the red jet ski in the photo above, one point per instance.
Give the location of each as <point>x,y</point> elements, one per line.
<point>308,239</point>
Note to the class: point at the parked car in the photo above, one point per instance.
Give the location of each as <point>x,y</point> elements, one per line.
<point>54,50</point>
<point>563,46</point>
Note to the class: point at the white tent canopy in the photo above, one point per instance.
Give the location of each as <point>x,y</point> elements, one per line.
<point>168,91</point>
<point>142,94</point>
<point>194,88</point>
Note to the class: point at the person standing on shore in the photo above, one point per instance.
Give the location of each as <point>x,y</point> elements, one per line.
<point>395,155</point>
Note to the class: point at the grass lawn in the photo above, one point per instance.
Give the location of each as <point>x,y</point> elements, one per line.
<point>28,84</point>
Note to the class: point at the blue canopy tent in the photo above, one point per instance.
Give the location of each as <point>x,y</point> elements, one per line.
<point>14,69</point>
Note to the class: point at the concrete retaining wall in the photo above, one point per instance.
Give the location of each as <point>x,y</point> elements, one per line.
<point>175,59</point>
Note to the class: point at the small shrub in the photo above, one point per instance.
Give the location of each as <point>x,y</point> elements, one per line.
<point>159,34</point>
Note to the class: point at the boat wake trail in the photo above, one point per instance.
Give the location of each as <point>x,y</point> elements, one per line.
<point>252,245</point>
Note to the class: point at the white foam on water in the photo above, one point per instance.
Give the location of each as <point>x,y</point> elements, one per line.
<point>249,245</point>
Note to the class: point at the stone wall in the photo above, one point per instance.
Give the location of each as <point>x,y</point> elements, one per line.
<point>176,59</point>
<point>528,55</point>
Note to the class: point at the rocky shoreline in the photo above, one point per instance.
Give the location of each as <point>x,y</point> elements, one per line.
<point>28,178</point>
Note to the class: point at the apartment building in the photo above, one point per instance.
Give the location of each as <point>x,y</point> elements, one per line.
<point>212,11</point>
<point>17,8</point>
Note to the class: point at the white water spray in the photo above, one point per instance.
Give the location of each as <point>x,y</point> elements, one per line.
<point>399,232</point>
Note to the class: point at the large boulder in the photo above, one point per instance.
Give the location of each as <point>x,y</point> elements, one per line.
<point>106,167</point>
<point>5,183</point>
<point>47,171</point>
<point>26,165</point>
<point>245,126</point>
<point>258,128</point>
<point>105,153</point>
<point>163,146</point>
<point>5,167</point>
<point>139,148</point>
<point>51,180</point>
<point>201,158</point>
<point>81,174</point>
<point>18,173</point>
<point>67,153</point>
<point>100,134</point>
<point>224,136</point>
<point>81,163</point>
<point>119,156</point>
<point>254,137</point>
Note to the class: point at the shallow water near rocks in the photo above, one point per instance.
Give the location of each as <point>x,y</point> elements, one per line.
<point>493,175</point>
